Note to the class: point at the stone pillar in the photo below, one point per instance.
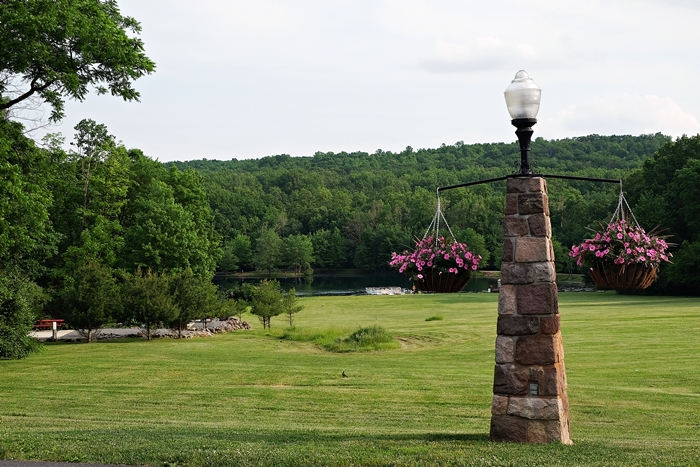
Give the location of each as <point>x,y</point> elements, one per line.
<point>530,404</point>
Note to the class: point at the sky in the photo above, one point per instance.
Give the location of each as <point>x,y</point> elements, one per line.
<point>248,79</point>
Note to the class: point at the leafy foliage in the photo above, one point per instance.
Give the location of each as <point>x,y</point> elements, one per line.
<point>297,252</point>
<point>26,237</point>
<point>20,304</point>
<point>27,240</point>
<point>148,300</point>
<point>57,49</point>
<point>237,253</point>
<point>194,296</point>
<point>291,305</point>
<point>268,251</point>
<point>665,193</point>
<point>267,302</point>
<point>91,298</point>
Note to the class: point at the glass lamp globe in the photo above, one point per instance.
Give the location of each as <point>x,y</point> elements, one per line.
<point>523,96</point>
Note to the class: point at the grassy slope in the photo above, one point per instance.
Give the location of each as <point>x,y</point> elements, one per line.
<point>248,398</point>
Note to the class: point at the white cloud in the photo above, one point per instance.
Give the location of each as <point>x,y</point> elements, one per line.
<point>482,54</point>
<point>621,114</point>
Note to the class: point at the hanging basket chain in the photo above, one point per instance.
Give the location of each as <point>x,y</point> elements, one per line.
<point>620,212</point>
<point>435,223</point>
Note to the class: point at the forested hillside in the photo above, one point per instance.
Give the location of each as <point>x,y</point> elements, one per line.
<point>353,209</point>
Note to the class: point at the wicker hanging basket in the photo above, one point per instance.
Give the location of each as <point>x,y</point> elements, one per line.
<point>433,281</point>
<point>622,255</point>
<point>437,264</point>
<point>623,276</point>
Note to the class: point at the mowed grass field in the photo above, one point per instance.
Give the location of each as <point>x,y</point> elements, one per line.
<point>253,399</point>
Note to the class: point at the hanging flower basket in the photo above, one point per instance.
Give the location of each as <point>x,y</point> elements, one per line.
<point>623,255</point>
<point>623,276</point>
<point>435,281</point>
<point>437,265</point>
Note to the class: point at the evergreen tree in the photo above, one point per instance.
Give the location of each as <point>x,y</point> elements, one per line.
<point>91,298</point>
<point>291,305</point>
<point>148,300</point>
<point>267,302</point>
<point>268,251</point>
<point>194,296</point>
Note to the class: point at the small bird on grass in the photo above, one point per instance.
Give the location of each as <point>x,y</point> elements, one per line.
<point>344,375</point>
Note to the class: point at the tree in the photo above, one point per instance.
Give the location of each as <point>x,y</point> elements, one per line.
<point>26,236</point>
<point>94,144</point>
<point>194,296</point>
<point>686,266</point>
<point>268,251</point>
<point>563,262</point>
<point>240,306</point>
<point>664,193</point>
<point>298,251</point>
<point>148,300</point>
<point>227,306</point>
<point>291,305</point>
<point>267,302</point>
<point>100,172</point>
<point>374,251</point>
<point>163,235</point>
<point>20,303</point>
<point>57,49</point>
<point>329,248</point>
<point>27,239</point>
<point>237,254</point>
<point>188,192</point>
<point>91,298</point>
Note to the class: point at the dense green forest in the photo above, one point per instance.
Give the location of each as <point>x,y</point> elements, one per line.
<point>354,209</point>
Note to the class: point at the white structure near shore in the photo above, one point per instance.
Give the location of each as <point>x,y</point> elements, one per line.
<point>385,291</point>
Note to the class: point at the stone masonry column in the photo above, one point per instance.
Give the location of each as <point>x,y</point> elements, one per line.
<point>530,404</point>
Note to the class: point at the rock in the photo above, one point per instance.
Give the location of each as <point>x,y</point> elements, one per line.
<point>508,428</point>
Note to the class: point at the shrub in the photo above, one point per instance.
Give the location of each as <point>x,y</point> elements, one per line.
<point>20,302</point>
<point>364,339</point>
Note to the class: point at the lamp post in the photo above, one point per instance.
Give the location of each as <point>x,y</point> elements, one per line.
<point>530,402</point>
<point>523,101</point>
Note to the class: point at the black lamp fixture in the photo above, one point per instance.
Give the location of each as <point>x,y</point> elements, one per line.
<point>523,101</point>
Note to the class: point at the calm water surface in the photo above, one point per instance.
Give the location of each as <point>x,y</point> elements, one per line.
<point>351,284</point>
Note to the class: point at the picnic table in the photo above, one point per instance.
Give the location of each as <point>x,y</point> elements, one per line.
<point>48,323</point>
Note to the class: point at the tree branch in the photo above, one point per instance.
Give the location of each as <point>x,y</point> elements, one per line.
<point>32,89</point>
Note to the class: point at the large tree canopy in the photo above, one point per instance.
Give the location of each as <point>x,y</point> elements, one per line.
<point>57,49</point>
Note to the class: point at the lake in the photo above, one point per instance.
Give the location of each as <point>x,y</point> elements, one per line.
<point>350,283</point>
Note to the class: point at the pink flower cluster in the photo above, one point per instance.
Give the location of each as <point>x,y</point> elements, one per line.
<point>621,243</point>
<point>445,256</point>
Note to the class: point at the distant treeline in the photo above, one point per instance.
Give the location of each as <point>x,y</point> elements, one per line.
<point>354,209</point>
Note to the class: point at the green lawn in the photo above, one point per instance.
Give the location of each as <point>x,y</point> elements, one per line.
<point>250,398</point>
